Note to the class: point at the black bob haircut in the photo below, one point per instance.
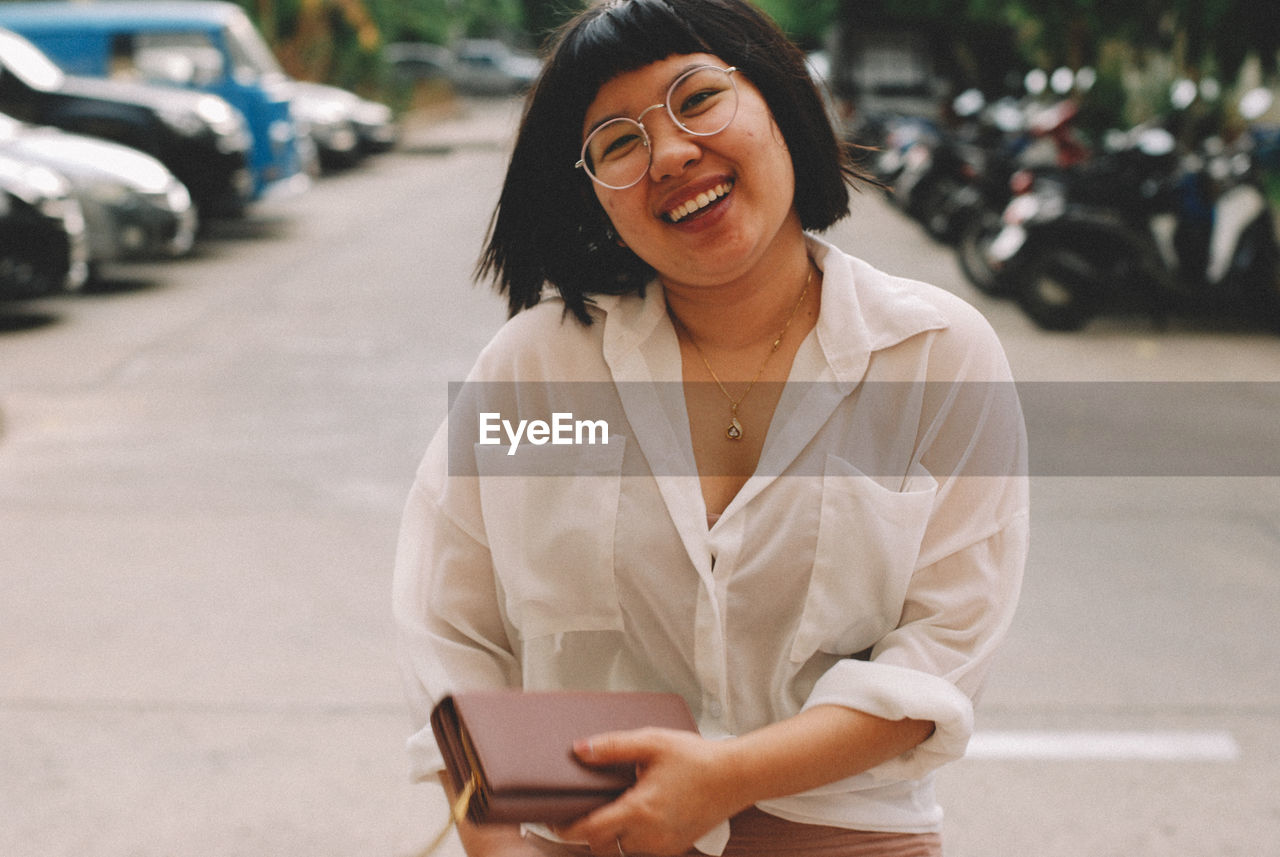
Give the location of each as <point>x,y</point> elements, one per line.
<point>549,228</point>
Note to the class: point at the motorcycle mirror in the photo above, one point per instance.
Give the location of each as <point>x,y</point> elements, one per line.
<point>1182,94</point>
<point>1062,81</point>
<point>1256,102</point>
<point>1036,81</point>
<point>969,103</point>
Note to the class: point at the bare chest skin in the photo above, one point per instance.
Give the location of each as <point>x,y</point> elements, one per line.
<point>725,465</point>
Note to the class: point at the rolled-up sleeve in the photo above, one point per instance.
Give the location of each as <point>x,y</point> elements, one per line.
<point>962,592</point>
<point>932,666</point>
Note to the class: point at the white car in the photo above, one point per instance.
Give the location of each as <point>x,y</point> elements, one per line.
<point>133,206</point>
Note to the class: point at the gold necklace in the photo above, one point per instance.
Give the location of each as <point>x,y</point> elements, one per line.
<point>735,430</point>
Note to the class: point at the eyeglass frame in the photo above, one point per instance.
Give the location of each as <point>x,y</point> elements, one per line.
<point>666,102</point>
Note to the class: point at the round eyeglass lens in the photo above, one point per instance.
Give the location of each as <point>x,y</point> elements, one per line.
<point>702,102</point>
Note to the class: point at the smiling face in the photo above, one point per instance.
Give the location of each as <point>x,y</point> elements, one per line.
<point>711,208</point>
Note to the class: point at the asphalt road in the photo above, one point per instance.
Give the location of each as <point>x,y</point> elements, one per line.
<point>201,471</point>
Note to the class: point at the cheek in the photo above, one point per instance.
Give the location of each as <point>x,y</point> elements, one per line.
<point>620,210</point>
<point>609,209</point>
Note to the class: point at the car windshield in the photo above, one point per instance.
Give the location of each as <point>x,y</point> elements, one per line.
<point>249,52</point>
<point>27,63</point>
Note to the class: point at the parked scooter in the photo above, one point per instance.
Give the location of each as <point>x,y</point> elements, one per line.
<point>955,181</point>
<point>907,141</point>
<point>1141,226</point>
<point>1045,140</point>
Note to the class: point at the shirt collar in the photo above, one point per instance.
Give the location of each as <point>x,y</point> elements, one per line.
<point>863,311</point>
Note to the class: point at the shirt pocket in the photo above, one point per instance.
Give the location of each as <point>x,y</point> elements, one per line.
<point>550,521</point>
<point>869,539</point>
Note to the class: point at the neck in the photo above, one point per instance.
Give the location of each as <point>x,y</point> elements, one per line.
<point>742,313</point>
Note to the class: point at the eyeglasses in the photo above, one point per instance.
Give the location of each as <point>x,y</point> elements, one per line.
<point>701,102</point>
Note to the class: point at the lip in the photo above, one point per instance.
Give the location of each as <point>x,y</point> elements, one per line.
<point>689,191</point>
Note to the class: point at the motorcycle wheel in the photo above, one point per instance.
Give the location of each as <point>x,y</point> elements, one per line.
<point>971,252</point>
<point>936,213</point>
<point>1057,292</point>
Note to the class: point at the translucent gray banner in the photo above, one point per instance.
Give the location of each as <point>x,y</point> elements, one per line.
<point>882,430</point>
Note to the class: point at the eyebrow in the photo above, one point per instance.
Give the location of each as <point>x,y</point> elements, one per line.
<point>605,119</point>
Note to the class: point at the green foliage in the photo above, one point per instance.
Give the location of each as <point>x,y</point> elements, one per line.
<point>1195,37</point>
<point>416,21</point>
<point>806,23</point>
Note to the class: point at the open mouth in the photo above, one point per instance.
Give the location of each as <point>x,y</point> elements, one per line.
<point>698,203</point>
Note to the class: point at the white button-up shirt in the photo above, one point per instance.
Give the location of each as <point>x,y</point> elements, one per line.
<point>872,560</point>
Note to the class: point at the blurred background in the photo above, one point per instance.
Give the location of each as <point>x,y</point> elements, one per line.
<point>237,248</point>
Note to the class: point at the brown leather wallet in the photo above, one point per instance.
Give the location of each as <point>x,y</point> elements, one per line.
<point>511,752</point>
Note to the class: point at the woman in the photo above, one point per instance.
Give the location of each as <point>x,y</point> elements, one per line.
<point>809,518</point>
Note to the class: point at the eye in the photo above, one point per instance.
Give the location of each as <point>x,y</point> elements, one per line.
<point>701,100</point>
<point>620,145</point>
<point>700,97</point>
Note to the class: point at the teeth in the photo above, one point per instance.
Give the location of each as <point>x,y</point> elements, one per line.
<point>699,202</point>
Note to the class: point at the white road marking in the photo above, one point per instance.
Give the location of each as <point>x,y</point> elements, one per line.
<point>1167,746</point>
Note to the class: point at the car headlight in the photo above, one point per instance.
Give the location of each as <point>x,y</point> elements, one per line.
<point>227,124</point>
<point>373,113</point>
<point>184,120</point>
<point>220,116</point>
<point>46,182</point>
<point>320,113</point>
<point>178,197</point>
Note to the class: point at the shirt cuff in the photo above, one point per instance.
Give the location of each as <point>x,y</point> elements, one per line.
<point>898,693</point>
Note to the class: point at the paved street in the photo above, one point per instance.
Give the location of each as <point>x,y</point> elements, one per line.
<point>201,471</point>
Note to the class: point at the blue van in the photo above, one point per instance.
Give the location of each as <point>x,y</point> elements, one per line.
<point>202,44</point>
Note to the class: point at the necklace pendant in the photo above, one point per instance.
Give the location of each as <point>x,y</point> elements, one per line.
<point>734,431</point>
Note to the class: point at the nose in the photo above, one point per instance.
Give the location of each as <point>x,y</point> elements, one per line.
<point>671,148</point>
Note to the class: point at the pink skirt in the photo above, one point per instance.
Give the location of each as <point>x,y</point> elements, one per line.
<point>754,833</point>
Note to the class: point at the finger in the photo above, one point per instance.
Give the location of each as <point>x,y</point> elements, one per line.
<point>613,748</point>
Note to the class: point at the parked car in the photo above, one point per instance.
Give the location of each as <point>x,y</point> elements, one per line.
<point>472,67</point>
<point>219,51</point>
<point>491,67</point>
<point>343,126</point>
<point>42,244</point>
<point>200,138</point>
<point>133,207</point>
<point>414,61</point>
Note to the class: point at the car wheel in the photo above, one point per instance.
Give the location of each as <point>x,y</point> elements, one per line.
<point>28,278</point>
